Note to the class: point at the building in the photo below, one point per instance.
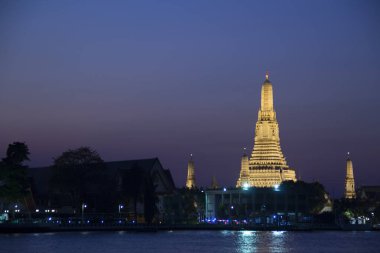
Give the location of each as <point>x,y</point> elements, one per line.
<point>350,181</point>
<point>291,201</point>
<point>266,167</point>
<point>124,179</point>
<point>190,181</point>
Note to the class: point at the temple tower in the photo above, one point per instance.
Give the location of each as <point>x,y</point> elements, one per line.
<point>244,172</point>
<point>214,183</point>
<point>267,164</point>
<point>190,181</point>
<point>350,181</point>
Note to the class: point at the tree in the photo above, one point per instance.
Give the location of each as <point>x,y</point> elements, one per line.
<point>189,204</point>
<point>13,176</point>
<point>376,214</point>
<point>77,176</point>
<point>17,153</point>
<point>314,192</point>
<point>348,209</point>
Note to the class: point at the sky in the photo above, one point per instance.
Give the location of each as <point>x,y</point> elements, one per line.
<point>142,79</point>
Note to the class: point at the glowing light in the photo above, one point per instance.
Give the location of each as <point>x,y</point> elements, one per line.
<point>245,186</point>
<point>224,189</point>
<point>37,210</point>
<point>276,187</point>
<point>247,233</point>
<point>278,233</point>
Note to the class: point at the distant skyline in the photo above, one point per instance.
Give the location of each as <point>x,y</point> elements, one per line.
<point>141,79</point>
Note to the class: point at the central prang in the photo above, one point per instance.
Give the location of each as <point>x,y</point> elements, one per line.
<point>267,166</point>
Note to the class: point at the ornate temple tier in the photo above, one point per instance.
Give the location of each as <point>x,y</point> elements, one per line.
<point>350,192</point>
<point>190,181</point>
<point>267,166</point>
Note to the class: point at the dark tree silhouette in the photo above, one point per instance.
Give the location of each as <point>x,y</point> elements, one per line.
<point>13,176</point>
<point>190,204</point>
<point>17,153</point>
<point>78,174</point>
<point>315,193</point>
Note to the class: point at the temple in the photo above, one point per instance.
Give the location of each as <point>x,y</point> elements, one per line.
<point>350,181</point>
<point>266,167</point>
<point>190,181</point>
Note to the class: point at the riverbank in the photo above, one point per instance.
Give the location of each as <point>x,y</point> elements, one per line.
<point>46,228</point>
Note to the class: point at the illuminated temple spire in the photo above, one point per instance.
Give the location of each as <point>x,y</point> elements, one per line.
<point>190,182</point>
<point>214,183</point>
<point>244,171</point>
<point>350,181</point>
<point>267,164</point>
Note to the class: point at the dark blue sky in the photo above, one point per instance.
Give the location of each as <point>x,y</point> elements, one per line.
<point>168,78</point>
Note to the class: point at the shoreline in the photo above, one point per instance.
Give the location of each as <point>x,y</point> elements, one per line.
<point>48,228</point>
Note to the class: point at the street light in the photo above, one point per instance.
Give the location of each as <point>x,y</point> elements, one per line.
<point>120,207</point>
<point>83,207</point>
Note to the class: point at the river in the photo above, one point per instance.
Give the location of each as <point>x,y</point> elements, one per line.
<point>191,241</point>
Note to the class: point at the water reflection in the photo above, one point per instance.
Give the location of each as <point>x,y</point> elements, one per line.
<point>277,241</point>
<point>253,241</point>
<point>192,241</point>
<point>246,241</point>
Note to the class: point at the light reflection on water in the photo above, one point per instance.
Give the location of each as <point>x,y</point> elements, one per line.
<point>277,242</point>
<point>246,241</point>
<point>192,241</point>
<point>254,241</point>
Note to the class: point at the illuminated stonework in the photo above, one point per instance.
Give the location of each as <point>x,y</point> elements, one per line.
<point>350,181</point>
<point>190,181</point>
<point>267,166</point>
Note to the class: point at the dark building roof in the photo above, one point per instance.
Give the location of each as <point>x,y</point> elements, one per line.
<point>145,164</point>
<point>163,177</point>
<point>40,176</point>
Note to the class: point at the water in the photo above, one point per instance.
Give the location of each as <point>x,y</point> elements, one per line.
<point>191,241</point>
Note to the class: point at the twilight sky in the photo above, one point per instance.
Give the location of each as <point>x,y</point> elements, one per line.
<point>168,78</point>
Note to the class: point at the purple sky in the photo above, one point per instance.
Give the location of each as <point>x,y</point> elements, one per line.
<point>167,78</point>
